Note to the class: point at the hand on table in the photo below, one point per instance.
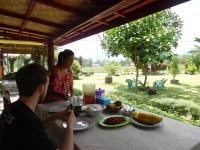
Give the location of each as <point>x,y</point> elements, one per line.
<point>71,120</point>
<point>67,116</point>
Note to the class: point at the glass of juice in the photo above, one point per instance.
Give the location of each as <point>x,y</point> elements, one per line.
<point>89,93</point>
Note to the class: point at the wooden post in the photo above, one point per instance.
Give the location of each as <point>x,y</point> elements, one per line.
<point>1,65</point>
<point>50,55</point>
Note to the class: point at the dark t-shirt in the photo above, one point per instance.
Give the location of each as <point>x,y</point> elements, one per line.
<point>21,129</point>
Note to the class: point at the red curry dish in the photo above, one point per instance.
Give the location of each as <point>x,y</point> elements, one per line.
<point>114,120</point>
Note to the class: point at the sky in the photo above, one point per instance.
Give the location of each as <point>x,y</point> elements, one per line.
<point>90,47</point>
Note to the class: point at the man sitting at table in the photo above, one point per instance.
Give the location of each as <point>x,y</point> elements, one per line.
<point>20,128</point>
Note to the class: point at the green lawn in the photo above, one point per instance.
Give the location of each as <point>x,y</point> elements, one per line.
<point>181,102</point>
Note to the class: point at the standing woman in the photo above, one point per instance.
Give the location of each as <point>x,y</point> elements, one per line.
<point>61,78</point>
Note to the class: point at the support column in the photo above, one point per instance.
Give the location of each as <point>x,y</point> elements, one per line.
<point>1,65</point>
<point>50,55</point>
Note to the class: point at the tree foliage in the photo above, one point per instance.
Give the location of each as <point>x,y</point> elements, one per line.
<point>146,41</point>
<point>196,53</point>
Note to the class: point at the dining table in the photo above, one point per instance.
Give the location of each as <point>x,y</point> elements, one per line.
<point>169,135</point>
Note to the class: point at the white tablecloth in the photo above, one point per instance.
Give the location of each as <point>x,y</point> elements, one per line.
<point>172,135</point>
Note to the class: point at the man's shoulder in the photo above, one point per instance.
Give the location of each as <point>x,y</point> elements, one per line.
<point>18,113</point>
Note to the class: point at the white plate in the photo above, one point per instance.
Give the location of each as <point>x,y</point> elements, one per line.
<point>142,124</point>
<point>57,108</point>
<point>81,124</point>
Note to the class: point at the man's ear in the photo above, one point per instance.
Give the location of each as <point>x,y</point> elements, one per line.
<point>41,88</point>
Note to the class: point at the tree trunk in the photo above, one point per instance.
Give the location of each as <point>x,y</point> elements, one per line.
<point>12,62</point>
<point>137,70</point>
<point>12,67</point>
<point>174,76</point>
<point>136,79</point>
<point>145,74</point>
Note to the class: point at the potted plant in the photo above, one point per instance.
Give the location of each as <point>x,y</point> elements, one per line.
<point>151,91</point>
<point>111,68</point>
<point>174,69</point>
<point>108,79</point>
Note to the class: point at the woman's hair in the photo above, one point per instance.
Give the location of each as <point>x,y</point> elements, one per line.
<point>64,55</point>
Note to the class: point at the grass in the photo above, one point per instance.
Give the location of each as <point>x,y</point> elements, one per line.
<point>187,92</point>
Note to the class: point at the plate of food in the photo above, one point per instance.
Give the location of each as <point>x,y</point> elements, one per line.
<point>146,119</point>
<point>114,121</point>
<point>114,107</point>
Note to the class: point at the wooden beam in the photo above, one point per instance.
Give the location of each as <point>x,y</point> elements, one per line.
<point>22,46</point>
<point>120,14</point>
<point>50,55</point>
<point>14,51</point>
<point>1,65</point>
<point>20,33</point>
<point>33,19</point>
<point>25,30</point>
<point>21,37</point>
<point>102,22</point>
<point>60,6</point>
<point>28,14</point>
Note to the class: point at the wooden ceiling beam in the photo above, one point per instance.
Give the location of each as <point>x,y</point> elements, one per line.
<point>14,51</point>
<point>102,22</point>
<point>21,37</point>
<point>60,6</point>
<point>21,33</point>
<point>33,19</point>
<point>25,30</point>
<point>120,14</point>
<point>28,14</point>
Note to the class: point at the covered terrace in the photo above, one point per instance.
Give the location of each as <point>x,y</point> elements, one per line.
<point>59,22</point>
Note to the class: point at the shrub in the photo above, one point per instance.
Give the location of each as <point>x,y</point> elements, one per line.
<point>191,68</point>
<point>195,112</point>
<point>77,92</point>
<point>112,67</point>
<point>177,106</point>
<point>76,67</point>
<point>181,108</point>
<point>164,104</point>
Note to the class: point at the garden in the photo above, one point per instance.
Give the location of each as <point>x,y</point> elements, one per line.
<point>178,101</point>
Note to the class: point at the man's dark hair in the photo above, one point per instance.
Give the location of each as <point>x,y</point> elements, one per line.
<point>29,77</point>
<point>64,55</point>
